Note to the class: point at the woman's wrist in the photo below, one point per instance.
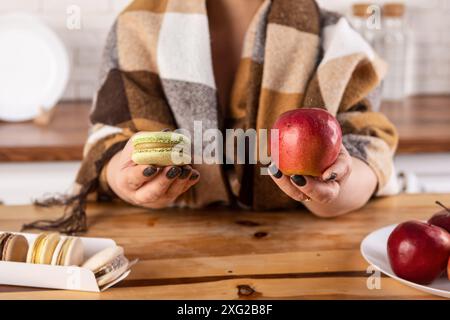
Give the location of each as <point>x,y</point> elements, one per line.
<point>111,169</point>
<point>354,192</point>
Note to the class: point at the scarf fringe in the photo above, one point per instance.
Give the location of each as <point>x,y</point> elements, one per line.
<point>73,219</point>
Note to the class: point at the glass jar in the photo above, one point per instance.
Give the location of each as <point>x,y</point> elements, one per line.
<point>394,50</point>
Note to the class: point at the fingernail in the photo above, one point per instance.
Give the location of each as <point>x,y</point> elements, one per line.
<point>274,171</point>
<point>185,172</point>
<point>173,172</point>
<point>149,171</point>
<point>299,180</point>
<point>332,176</point>
<point>194,176</point>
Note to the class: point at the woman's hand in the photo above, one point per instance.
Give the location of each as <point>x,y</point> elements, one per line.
<point>323,189</point>
<point>148,186</point>
<point>344,186</point>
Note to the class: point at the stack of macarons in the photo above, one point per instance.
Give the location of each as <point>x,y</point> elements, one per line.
<point>56,250</point>
<point>47,248</point>
<point>161,149</point>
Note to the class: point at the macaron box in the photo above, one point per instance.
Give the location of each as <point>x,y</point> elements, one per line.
<point>51,260</point>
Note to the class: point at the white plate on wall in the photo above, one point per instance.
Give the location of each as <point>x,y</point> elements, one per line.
<point>374,250</point>
<point>34,67</point>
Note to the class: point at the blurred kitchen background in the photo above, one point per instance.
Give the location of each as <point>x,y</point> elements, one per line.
<point>42,155</point>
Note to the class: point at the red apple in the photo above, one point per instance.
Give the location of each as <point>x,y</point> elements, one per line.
<point>442,218</point>
<point>309,142</point>
<point>418,251</point>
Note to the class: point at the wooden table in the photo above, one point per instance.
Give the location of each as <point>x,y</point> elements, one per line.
<point>220,254</point>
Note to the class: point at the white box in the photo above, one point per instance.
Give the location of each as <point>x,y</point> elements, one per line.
<point>57,277</point>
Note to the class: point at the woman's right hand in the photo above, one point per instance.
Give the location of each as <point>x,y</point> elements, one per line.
<point>148,186</point>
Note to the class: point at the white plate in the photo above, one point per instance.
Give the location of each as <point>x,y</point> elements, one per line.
<point>34,67</point>
<point>374,250</point>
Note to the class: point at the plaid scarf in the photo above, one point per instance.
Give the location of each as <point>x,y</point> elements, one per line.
<point>157,73</point>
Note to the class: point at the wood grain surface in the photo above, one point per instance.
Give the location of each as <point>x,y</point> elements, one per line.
<point>223,254</point>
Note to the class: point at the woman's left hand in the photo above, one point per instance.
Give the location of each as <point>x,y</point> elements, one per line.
<point>322,189</point>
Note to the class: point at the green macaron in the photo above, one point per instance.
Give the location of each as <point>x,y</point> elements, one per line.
<point>161,149</point>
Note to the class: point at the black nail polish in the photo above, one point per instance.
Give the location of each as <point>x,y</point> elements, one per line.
<point>299,180</point>
<point>194,176</point>
<point>274,171</point>
<point>332,176</point>
<point>149,171</point>
<point>185,172</point>
<point>173,172</point>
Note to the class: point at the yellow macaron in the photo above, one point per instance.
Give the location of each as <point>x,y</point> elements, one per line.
<point>51,248</point>
<point>41,252</point>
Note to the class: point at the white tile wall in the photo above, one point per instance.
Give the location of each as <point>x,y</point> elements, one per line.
<point>85,45</point>
<point>429,67</point>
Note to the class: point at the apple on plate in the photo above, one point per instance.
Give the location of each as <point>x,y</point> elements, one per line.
<point>442,218</point>
<point>418,251</point>
<point>309,142</point>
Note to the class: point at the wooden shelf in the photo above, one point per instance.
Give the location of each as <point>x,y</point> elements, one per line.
<point>61,140</point>
<point>423,123</point>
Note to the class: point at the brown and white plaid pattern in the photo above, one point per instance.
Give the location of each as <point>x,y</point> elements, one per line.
<point>157,73</point>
